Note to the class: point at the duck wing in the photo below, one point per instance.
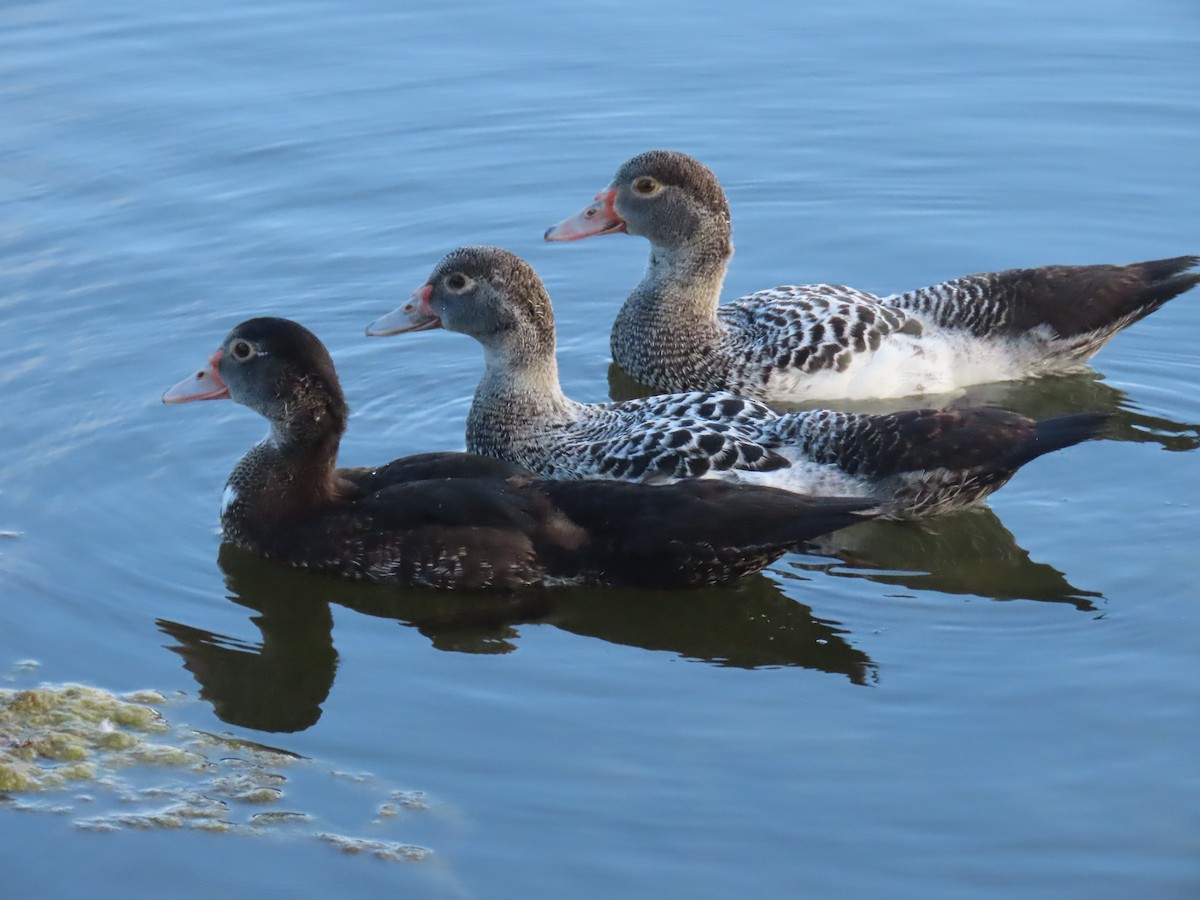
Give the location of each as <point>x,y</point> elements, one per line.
<point>811,328</point>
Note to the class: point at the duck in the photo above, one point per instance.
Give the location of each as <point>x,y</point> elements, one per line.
<point>463,521</point>
<point>799,343</point>
<point>914,463</point>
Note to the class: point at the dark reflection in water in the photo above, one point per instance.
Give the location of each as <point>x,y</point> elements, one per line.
<point>1086,391</point>
<point>280,684</point>
<point>749,625</point>
<point>1038,398</point>
<point>965,553</point>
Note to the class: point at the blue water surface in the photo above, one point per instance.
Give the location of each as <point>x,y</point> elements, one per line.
<point>994,704</point>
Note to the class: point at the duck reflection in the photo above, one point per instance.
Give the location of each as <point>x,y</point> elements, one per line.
<point>1086,391</point>
<point>749,625</point>
<point>969,552</point>
<point>281,683</point>
<point>1038,398</point>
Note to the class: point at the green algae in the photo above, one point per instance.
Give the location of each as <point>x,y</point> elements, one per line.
<point>279,757</point>
<point>49,735</point>
<point>194,805</point>
<point>411,800</point>
<point>280,817</point>
<point>217,826</point>
<point>55,738</point>
<point>164,755</point>
<point>59,747</point>
<point>116,740</point>
<point>148,821</point>
<point>145,698</point>
<point>256,786</point>
<point>391,851</point>
<point>31,703</point>
<point>259,795</point>
<point>97,825</point>
<point>17,777</point>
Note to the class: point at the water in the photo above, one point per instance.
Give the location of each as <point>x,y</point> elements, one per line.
<point>986,705</point>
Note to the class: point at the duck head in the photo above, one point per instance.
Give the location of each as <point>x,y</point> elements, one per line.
<point>662,195</point>
<point>485,292</point>
<point>274,366</point>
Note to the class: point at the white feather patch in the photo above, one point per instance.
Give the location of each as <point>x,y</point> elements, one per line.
<point>228,498</point>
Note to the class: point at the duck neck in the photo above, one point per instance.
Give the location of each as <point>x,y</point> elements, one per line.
<point>660,332</point>
<point>519,395</point>
<point>690,275</point>
<point>288,474</point>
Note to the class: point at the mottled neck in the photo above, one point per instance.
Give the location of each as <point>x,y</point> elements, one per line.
<point>667,334</point>
<point>287,474</point>
<point>680,290</point>
<point>518,394</point>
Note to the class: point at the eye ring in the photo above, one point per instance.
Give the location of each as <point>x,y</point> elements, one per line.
<point>646,186</point>
<point>241,351</point>
<point>457,281</point>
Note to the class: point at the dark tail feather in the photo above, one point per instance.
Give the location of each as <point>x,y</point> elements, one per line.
<point>1161,269</point>
<point>1082,304</point>
<point>1059,432</point>
<point>802,518</point>
<point>703,511</point>
<point>1165,279</point>
<point>692,532</point>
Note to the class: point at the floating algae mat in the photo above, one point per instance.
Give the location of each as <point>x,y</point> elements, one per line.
<point>63,748</point>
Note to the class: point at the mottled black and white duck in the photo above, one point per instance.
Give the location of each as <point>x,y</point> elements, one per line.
<point>913,463</point>
<point>457,520</point>
<point>822,342</point>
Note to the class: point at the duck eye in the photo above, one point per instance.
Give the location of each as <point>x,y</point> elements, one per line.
<point>457,281</point>
<point>241,350</point>
<point>645,185</point>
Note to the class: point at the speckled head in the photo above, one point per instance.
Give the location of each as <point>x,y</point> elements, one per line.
<point>662,195</point>
<point>276,367</point>
<point>495,297</point>
<point>670,199</point>
<point>673,169</point>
